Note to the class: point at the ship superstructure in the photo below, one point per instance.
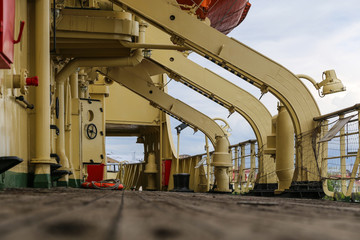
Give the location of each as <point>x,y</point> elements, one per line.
<point>79,71</point>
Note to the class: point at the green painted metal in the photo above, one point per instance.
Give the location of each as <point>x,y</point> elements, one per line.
<point>62,184</point>
<point>42,181</point>
<point>75,183</point>
<point>11,179</point>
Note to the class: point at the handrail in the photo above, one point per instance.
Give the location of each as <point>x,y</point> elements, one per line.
<point>337,113</point>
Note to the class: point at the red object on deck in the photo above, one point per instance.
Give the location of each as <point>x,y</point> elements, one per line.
<point>166,167</point>
<point>102,185</point>
<point>224,15</point>
<point>7,19</point>
<point>95,172</point>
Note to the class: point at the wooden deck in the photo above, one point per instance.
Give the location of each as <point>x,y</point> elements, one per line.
<point>62,213</point>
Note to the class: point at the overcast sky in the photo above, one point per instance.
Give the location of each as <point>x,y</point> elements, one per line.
<point>305,36</point>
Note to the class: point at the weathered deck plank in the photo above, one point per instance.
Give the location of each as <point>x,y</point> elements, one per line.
<point>94,214</point>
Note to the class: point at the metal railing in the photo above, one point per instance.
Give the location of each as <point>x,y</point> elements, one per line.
<point>242,174</point>
<point>339,155</point>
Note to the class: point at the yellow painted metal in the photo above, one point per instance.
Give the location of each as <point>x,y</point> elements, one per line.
<point>74,85</point>
<point>92,147</point>
<point>118,25</point>
<point>208,162</point>
<point>138,81</point>
<point>68,131</point>
<point>284,150</point>
<point>71,67</point>
<point>237,170</point>
<point>353,175</point>
<point>16,123</point>
<point>331,83</point>
<point>121,100</point>
<point>231,96</point>
<point>324,162</point>
<point>177,153</point>
<point>242,167</point>
<point>204,81</point>
<point>141,33</point>
<point>252,156</point>
<point>60,142</point>
<point>100,91</point>
<point>221,161</point>
<point>151,167</point>
<point>151,170</point>
<point>248,64</point>
<point>342,157</point>
<point>75,132</point>
<point>42,102</point>
<point>90,33</point>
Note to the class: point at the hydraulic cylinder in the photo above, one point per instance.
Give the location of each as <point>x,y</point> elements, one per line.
<point>284,149</point>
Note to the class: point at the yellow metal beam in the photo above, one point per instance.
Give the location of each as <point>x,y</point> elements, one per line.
<point>242,61</point>
<point>232,55</point>
<point>206,82</point>
<point>139,81</point>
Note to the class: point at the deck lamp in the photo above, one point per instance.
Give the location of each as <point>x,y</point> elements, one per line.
<point>329,84</point>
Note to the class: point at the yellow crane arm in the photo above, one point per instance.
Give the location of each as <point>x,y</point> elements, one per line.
<point>139,82</point>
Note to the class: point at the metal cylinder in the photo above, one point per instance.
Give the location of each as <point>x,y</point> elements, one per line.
<point>222,179</point>
<point>74,83</point>
<point>151,171</point>
<point>284,149</point>
<point>42,100</point>
<point>221,162</point>
<point>60,142</point>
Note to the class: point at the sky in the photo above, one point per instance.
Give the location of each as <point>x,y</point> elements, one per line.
<point>307,37</point>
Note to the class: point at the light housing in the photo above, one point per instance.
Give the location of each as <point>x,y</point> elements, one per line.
<point>331,83</point>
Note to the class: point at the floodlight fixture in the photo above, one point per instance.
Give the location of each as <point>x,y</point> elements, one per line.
<point>329,84</point>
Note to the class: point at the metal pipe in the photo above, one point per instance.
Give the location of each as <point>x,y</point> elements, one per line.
<point>74,84</point>
<point>60,142</point>
<point>42,100</point>
<point>309,79</point>
<point>71,67</point>
<point>54,26</point>
<point>68,129</point>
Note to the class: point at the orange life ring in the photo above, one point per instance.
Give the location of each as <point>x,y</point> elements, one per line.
<point>106,184</point>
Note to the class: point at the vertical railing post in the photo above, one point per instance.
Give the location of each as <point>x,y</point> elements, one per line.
<point>342,158</point>
<point>237,173</point>
<point>242,166</point>
<point>324,160</point>
<point>208,172</point>
<point>253,156</point>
